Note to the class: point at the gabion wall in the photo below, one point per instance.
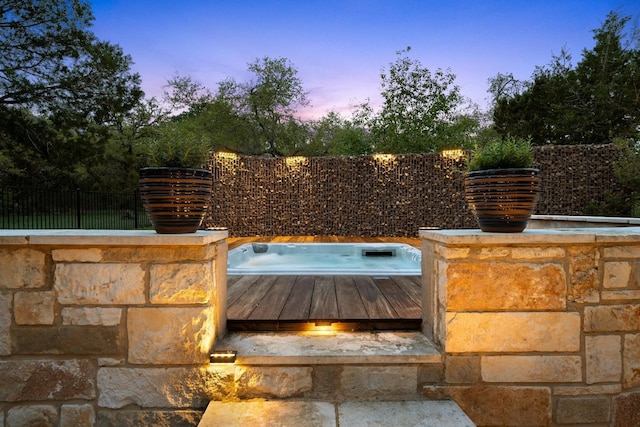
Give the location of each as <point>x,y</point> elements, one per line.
<point>383,195</point>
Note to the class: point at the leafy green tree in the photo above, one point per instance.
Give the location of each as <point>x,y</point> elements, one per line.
<point>257,117</point>
<point>591,103</point>
<point>193,109</point>
<point>421,111</point>
<point>116,168</point>
<point>56,73</point>
<point>503,86</point>
<point>333,135</point>
<point>625,201</point>
<point>53,63</point>
<point>268,103</point>
<point>627,171</point>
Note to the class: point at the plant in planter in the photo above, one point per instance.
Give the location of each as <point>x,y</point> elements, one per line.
<point>501,186</point>
<point>175,188</point>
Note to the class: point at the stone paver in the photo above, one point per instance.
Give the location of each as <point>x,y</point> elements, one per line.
<point>332,348</point>
<point>432,413</point>
<point>324,414</point>
<point>269,413</point>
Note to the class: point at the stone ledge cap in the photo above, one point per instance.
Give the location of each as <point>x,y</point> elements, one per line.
<point>589,218</point>
<point>533,236</point>
<point>109,237</point>
<point>358,348</point>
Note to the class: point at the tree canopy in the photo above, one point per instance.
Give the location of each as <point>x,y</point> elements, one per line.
<point>72,113</point>
<point>51,62</point>
<point>61,90</point>
<point>591,103</point>
<point>421,111</point>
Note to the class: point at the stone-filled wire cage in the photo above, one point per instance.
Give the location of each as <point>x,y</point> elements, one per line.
<point>384,195</point>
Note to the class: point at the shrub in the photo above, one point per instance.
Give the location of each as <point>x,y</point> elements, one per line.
<point>173,147</point>
<point>510,152</point>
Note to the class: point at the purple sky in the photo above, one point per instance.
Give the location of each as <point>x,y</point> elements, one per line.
<point>340,47</point>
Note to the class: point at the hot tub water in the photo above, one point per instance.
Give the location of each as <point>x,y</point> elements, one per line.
<point>324,258</point>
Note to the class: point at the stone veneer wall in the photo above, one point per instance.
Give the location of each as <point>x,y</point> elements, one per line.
<point>108,328</point>
<point>539,328</point>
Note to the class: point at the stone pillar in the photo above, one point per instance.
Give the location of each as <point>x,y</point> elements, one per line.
<point>537,328</point>
<point>94,321</point>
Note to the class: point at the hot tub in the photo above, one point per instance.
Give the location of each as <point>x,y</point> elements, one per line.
<point>368,259</point>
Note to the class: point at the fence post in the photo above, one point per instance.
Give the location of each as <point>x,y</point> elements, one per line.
<point>78,216</point>
<point>135,209</point>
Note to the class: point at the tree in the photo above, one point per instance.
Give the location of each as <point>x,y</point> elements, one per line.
<point>421,111</point>
<point>37,39</point>
<point>54,71</point>
<point>591,103</point>
<point>268,103</point>
<point>191,108</point>
<point>504,86</point>
<point>333,135</point>
<point>627,171</point>
<point>51,61</point>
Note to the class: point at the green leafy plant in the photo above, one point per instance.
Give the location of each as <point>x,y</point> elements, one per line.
<point>510,152</point>
<point>174,147</point>
<point>625,200</point>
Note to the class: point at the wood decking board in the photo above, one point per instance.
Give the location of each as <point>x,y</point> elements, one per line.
<point>298,304</point>
<point>324,305</point>
<point>272,303</point>
<point>411,286</point>
<point>282,302</point>
<point>398,299</point>
<point>244,306</point>
<point>264,303</point>
<point>350,306</point>
<point>238,286</point>
<point>374,301</point>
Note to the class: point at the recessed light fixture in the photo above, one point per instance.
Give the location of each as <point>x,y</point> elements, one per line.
<point>223,356</point>
<point>323,323</point>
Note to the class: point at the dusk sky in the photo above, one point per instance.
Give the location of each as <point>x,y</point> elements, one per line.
<point>340,47</point>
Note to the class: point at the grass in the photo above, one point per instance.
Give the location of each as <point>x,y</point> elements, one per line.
<point>107,220</point>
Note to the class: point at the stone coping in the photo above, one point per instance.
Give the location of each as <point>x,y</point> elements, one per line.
<point>435,413</point>
<point>303,348</point>
<point>587,218</point>
<point>109,237</point>
<point>533,236</point>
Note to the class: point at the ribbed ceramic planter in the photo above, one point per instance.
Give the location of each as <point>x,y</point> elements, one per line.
<point>503,200</point>
<point>175,199</point>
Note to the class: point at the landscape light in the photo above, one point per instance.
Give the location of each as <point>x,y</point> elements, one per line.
<point>384,158</point>
<point>453,154</point>
<point>296,162</point>
<point>223,356</point>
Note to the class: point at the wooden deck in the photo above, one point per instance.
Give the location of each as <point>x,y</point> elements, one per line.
<point>268,303</point>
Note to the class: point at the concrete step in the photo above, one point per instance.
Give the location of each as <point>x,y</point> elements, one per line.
<point>325,414</point>
<point>328,366</point>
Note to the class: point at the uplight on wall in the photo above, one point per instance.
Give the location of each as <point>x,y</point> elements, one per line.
<point>226,155</point>
<point>384,158</point>
<point>295,162</point>
<point>226,159</point>
<point>453,154</point>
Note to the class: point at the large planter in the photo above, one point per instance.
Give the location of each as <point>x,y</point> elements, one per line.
<point>502,200</point>
<point>175,199</point>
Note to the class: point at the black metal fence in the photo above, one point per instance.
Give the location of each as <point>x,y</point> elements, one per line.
<point>38,208</point>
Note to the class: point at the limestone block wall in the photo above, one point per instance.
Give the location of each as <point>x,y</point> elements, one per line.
<point>539,328</point>
<point>108,328</point>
